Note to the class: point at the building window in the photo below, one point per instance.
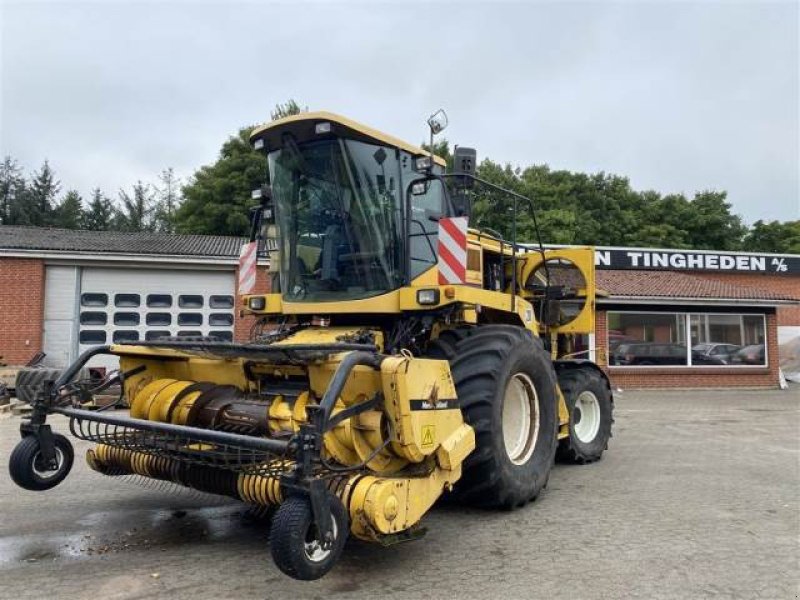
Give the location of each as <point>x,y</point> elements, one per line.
<point>190,301</point>
<point>94,299</point>
<point>159,301</point>
<point>220,319</point>
<point>124,335</point>
<point>190,333</point>
<point>159,319</point>
<point>127,300</point>
<point>660,339</point>
<point>221,302</point>
<point>156,335</point>
<point>93,337</point>
<point>190,319</point>
<point>126,319</point>
<point>223,336</point>
<point>94,318</point>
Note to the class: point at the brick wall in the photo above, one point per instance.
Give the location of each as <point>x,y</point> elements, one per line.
<point>242,325</point>
<point>21,308</point>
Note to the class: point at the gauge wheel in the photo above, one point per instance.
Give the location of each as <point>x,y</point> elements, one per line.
<point>590,405</point>
<point>30,471</point>
<point>297,547</point>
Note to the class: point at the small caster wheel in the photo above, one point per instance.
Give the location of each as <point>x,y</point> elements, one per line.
<point>295,541</point>
<point>29,470</point>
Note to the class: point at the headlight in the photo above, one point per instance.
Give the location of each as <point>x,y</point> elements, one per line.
<point>428,297</point>
<point>257,303</point>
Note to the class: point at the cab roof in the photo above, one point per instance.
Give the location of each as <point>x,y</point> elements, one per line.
<point>303,127</point>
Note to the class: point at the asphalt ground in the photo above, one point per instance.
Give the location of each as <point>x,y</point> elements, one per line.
<point>697,497</point>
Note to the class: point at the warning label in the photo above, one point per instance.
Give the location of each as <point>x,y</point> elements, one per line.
<point>428,434</point>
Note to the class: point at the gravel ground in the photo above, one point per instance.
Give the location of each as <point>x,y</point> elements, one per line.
<point>697,497</point>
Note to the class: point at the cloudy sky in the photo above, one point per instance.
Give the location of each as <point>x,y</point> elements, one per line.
<point>678,96</point>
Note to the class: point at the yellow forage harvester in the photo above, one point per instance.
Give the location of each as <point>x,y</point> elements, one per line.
<point>402,354</point>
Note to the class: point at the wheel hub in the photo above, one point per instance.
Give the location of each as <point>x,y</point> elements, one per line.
<point>317,549</point>
<point>520,418</point>
<point>44,469</point>
<point>586,417</point>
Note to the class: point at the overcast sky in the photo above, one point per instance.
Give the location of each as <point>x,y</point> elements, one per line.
<point>678,96</point>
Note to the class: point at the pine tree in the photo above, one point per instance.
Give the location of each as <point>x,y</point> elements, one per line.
<point>40,195</point>
<point>100,214</point>
<point>69,214</point>
<point>167,202</point>
<point>136,211</point>
<point>12,189</point>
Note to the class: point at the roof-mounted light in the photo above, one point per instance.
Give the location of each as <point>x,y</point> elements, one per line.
<point>423,163</point>
<point>322,128</point>
<point>258,144</point>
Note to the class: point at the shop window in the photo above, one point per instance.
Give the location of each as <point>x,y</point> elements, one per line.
<point>190,319</point>
<point>94,318</point>
<point>190,301</point>
<point>93,337</point>
<point>220,319</point>
<point>159,319</point>
<point>659,339</point>
<point>647,339</point>
<point>221,302</point>
<point>94,299</point>
<point>151,336</point>
<point>126,319</point>
<point>223,336</point>
<point>127,300</point>
<point>159,300</point>
<point>125,335</point>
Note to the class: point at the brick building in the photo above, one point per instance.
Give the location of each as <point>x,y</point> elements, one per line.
<point>665,318</point>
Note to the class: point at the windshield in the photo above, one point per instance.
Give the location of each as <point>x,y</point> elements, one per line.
<point>339,217</point>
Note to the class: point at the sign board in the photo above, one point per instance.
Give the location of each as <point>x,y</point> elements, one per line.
<point>688,260</point>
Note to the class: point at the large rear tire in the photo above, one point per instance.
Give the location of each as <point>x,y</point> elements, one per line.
<point>507,392</point>
<point>590,404</point>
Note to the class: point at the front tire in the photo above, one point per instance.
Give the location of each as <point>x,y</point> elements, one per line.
<point>295,543</point>
<point>507,392</point>
<point>590,405</point>
<point>29,470</point>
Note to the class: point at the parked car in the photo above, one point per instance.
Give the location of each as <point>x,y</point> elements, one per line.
<point>657,353</point>
<point>723,352</point>
<point>750,355</point>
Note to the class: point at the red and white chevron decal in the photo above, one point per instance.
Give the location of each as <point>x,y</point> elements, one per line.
<point>452,250</point>
<point>247,268</point>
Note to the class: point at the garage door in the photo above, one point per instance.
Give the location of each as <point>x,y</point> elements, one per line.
<point>121,305</point>
<point>61,291</point>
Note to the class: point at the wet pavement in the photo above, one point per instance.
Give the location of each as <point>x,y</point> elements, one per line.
<point>696,498</point>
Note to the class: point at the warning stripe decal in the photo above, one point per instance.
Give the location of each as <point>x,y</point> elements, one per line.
<point>247,268</point>
<point>452,250</point>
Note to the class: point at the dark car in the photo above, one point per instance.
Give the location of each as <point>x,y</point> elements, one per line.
<point>750,355</point>
<point>724,352</point>
<point>656,353</point>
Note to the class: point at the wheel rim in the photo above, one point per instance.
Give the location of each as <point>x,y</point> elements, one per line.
<point>586,417</point>
<point>40,468</point>
<point>520,418</point>
<point>312,546</point>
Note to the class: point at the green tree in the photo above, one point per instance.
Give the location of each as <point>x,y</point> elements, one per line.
<point>136,209</point>
<point>37,204</point>
<point>12,190</point>
<point>69,214</point>
<point>100,214</point>
<point>286,109</point>
<point>774,236</point>
<point>168,199</point>
<point>218,197</point>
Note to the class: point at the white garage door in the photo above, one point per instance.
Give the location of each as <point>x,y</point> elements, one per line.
<point>61,291</point>
<point>120,305</point>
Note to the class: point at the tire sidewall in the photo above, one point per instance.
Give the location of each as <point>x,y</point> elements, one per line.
<point>531,475</point>
<point>596,386</point>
